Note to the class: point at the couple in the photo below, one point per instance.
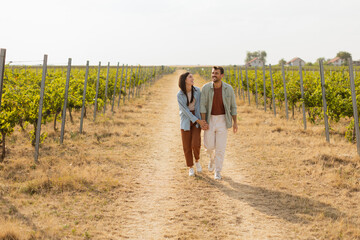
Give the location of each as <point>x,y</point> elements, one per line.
<point>212,109</point>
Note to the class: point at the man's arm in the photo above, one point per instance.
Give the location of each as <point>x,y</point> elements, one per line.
<point>234,112</point>
<point>203,100</point>
<point>234,117</point>
<point>235,126</point>
<point>203,116</point>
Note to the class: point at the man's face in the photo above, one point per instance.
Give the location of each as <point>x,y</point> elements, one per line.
<point>216,75</point>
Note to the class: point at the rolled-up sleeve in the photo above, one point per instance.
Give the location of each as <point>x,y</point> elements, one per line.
<point>184,109</point>
<point>203,101</point>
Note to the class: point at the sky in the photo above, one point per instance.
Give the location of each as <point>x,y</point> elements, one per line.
<point>174,32</point>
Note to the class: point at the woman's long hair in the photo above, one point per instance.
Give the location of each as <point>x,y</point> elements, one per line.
<point>182,86</point>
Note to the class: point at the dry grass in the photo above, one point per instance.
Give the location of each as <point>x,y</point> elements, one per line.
<point>51,199</point>
<point>282,156</point>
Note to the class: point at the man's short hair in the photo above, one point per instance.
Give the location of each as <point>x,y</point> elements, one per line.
<point>219,68</point>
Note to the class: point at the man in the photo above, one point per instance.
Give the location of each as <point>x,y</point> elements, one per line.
<point>218,108</point>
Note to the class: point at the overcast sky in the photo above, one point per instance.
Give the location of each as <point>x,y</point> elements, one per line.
<point>177,32</point>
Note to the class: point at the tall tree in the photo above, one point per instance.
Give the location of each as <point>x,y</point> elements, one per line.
<point>282,61</point>
<point>320,58</point>
<point>260,54</point>
<point>263,56</point>
<point>343,55</point>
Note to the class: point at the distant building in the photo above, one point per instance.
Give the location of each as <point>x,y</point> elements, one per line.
<point>255,62</point>
<point>336,61</point>
<point>296,61</point>
<point>356,63</point>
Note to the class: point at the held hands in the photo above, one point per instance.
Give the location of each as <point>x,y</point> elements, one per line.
<point>203,124</point>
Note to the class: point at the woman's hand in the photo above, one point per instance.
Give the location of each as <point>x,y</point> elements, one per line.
<point>205,127</point>
<point>203,124</point>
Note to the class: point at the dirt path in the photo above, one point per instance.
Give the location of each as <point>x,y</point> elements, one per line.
<point>166,203</point>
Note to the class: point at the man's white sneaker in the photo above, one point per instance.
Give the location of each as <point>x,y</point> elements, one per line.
<point>191,172</point>
<point>217,175</point>
<point>198,167</point>
<point>211,166</point>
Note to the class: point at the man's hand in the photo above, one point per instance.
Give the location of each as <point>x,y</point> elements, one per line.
<point>205,127</point>
<point>203,124</point>
<point>235,127</point>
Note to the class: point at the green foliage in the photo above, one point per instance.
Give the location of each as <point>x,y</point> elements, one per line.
<point>343,55</point>
<point>349,134</point>
<point>21,93</point>
<point>282,61</point>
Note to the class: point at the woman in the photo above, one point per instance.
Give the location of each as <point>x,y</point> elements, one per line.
<point>190,122</point>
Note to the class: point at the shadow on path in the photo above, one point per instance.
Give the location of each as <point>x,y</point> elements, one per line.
<point>274,203</point>
<point>13,212</point>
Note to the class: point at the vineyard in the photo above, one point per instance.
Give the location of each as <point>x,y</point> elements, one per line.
<point>265,87</point>
<point>112,84</point>
<point>104,85</point>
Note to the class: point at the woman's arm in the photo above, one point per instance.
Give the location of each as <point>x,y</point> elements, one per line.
<point>186,110</point>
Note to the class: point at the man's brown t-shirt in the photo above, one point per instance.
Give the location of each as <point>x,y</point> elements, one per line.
<point>218,105</point>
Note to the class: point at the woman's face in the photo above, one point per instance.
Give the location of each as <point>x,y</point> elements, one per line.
<point>189,80</point>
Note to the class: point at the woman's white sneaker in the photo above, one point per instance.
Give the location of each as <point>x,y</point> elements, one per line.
<point>191,172</point>
<point>198,167</point>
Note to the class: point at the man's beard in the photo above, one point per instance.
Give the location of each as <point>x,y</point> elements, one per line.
<point>215,79</point>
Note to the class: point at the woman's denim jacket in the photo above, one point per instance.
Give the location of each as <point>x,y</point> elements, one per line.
<point>185,115</point>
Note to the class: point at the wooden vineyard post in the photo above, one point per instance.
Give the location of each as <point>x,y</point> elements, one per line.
<point>272,90</point>
<point>247,83</point>
<point>106,85</point>
<point>126,76</point>
<point>65,102</point>
<point>324,100</point>
<point>256,89</point>
<point>355,110</point>
<point>142,80</point>
<point>38,126</point>
<point>154,74</point>
<point>121,83</point>
<point>238,80</point>
<point>302,95</point>
<point>137,82</point>
<point>97,90</point>
<point>285,93</point>
<point>264,80</point>
<point>115,85</point>
<point>130,81</point>
<point>134,82</point>
<point>2,70</point>
<point>242,85</point>
<point>84,97</point>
